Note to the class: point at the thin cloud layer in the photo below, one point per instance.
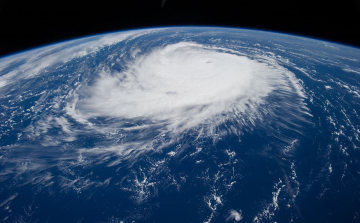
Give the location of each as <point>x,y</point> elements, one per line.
<point>35,62</point>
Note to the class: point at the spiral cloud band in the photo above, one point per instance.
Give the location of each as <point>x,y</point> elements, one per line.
<point>185,85</point>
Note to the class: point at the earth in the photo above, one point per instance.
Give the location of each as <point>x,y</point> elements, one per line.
<point>182,124</point>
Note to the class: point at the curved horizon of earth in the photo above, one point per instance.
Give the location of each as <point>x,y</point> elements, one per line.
<point>181,124</point>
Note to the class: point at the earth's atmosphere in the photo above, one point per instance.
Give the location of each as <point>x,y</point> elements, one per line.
<point>187,124</point>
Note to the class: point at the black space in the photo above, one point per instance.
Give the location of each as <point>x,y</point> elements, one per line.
<point>26,24</point>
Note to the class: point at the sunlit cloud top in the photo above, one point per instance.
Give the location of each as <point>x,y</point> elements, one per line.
<point>182,86</point>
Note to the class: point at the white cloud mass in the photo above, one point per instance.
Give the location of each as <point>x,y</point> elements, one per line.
<point>234,215</point>
<point>183,86</point>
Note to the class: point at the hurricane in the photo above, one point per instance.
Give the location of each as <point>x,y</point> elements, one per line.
<point>186,87</point>
<point>187,124</point>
